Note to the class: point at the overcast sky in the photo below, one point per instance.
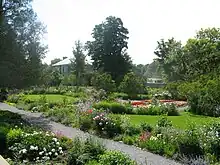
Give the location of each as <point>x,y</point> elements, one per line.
<point>147,21</point>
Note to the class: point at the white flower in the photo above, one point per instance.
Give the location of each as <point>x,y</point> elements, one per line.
<point>57,143</point>
<point>24,151</point>
<point>41,153</point>
<point>100,123</point>
<point>44,149</point>
<point>32,147</point>
<point>55,139</point>
<point>153,138</point>
<point>37,158</point>
<point>60,148</point>
<point>25,161</point>
<point>16,126</point>
<point>61,151</point>
<point>56,154</point>
<point>53,150</point>
<point>36,148</point>
<point>50,153</point>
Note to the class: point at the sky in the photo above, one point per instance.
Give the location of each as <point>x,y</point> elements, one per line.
<point>148,21</point>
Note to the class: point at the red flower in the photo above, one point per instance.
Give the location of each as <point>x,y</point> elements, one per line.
<point>145,136</point>
<point>89,111</point>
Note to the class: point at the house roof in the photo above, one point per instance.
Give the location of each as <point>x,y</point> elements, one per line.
<point>66,61</point>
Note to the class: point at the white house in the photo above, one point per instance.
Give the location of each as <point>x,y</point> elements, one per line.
<point>63,66</point>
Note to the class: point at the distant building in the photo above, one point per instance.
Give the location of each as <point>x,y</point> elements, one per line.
<point>63,66</point>
<point>155,82</point>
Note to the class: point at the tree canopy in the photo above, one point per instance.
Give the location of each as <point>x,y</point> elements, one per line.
<point>21,49</point>
<point>108,49</point>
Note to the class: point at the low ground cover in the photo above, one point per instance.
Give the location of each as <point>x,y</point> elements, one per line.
<point>178,121</point>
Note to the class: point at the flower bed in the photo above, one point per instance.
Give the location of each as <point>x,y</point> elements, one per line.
<point>22,143</point>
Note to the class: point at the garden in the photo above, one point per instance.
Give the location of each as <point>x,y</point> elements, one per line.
<point>107,96</point>
<point>160,125</point>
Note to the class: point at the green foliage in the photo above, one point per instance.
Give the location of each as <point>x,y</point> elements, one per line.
<point>189,145</point>
<point>84,151</point>
<point>113,107</point>
<point>164,122</point>
<point>78,62</point>
<point>65,115</point>
<point>108,49</point>
<point>115,158</point>
<point>125,96</point>
<point>132,85</point>
<point>21,49</point>
<point>104,81</point>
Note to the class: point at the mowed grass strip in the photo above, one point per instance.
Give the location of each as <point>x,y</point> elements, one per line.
<point>52,98</point>
<point>181,121</point>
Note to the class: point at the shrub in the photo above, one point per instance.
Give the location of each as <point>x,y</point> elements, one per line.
<point>113,107</point>
<point>164,122</point>
<point>188,144</point>
<point>115,158</point>
<point>146,127</point>
<point>107,125</point>
<point>84,151</point>
<point>104,81</point>
<point>128,140</point>
<point>132,85</point>
<point>65,115</point>
<point>85,122</point>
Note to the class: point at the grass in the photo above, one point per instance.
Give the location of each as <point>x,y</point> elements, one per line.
<point>54,98</point>
<point>181,121</point>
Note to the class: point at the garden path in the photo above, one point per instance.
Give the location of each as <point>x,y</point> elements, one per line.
<point>142,157</point>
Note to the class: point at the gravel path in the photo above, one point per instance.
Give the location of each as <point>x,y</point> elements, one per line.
<point>142,157</point>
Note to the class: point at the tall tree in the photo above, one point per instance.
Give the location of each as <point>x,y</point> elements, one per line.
<point>170,57</point>
<point>22,50</point>
<point>108,49</point>
<point>78,61</point>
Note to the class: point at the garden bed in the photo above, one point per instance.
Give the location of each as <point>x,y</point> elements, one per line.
<point>22,143</point>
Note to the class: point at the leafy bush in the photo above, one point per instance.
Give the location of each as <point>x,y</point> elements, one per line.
<point>125,96</point>
<point>84,151</point>
<point>115,158</point>
<point>164,122</point>
<point>113,107</point>
<point>104,81</point>
<point>128,140</point>
<point>85,122</point>
<point>65,115</point>
<point>132,85</point>
<point>189,145</point>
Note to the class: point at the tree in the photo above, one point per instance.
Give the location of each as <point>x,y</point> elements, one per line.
<point>132,84</point>
<point>20,48</point>
<point>78,61</point>
<point>171,59</point>
<point>199,56</point>
<point>108,49</point>
<point>103,81</point>
<point>203,53</point>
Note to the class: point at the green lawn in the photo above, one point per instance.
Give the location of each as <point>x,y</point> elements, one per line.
<point>51,98</point>
<point>181,121</point>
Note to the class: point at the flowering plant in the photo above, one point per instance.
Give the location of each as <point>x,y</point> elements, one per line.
<point>33,146</point>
